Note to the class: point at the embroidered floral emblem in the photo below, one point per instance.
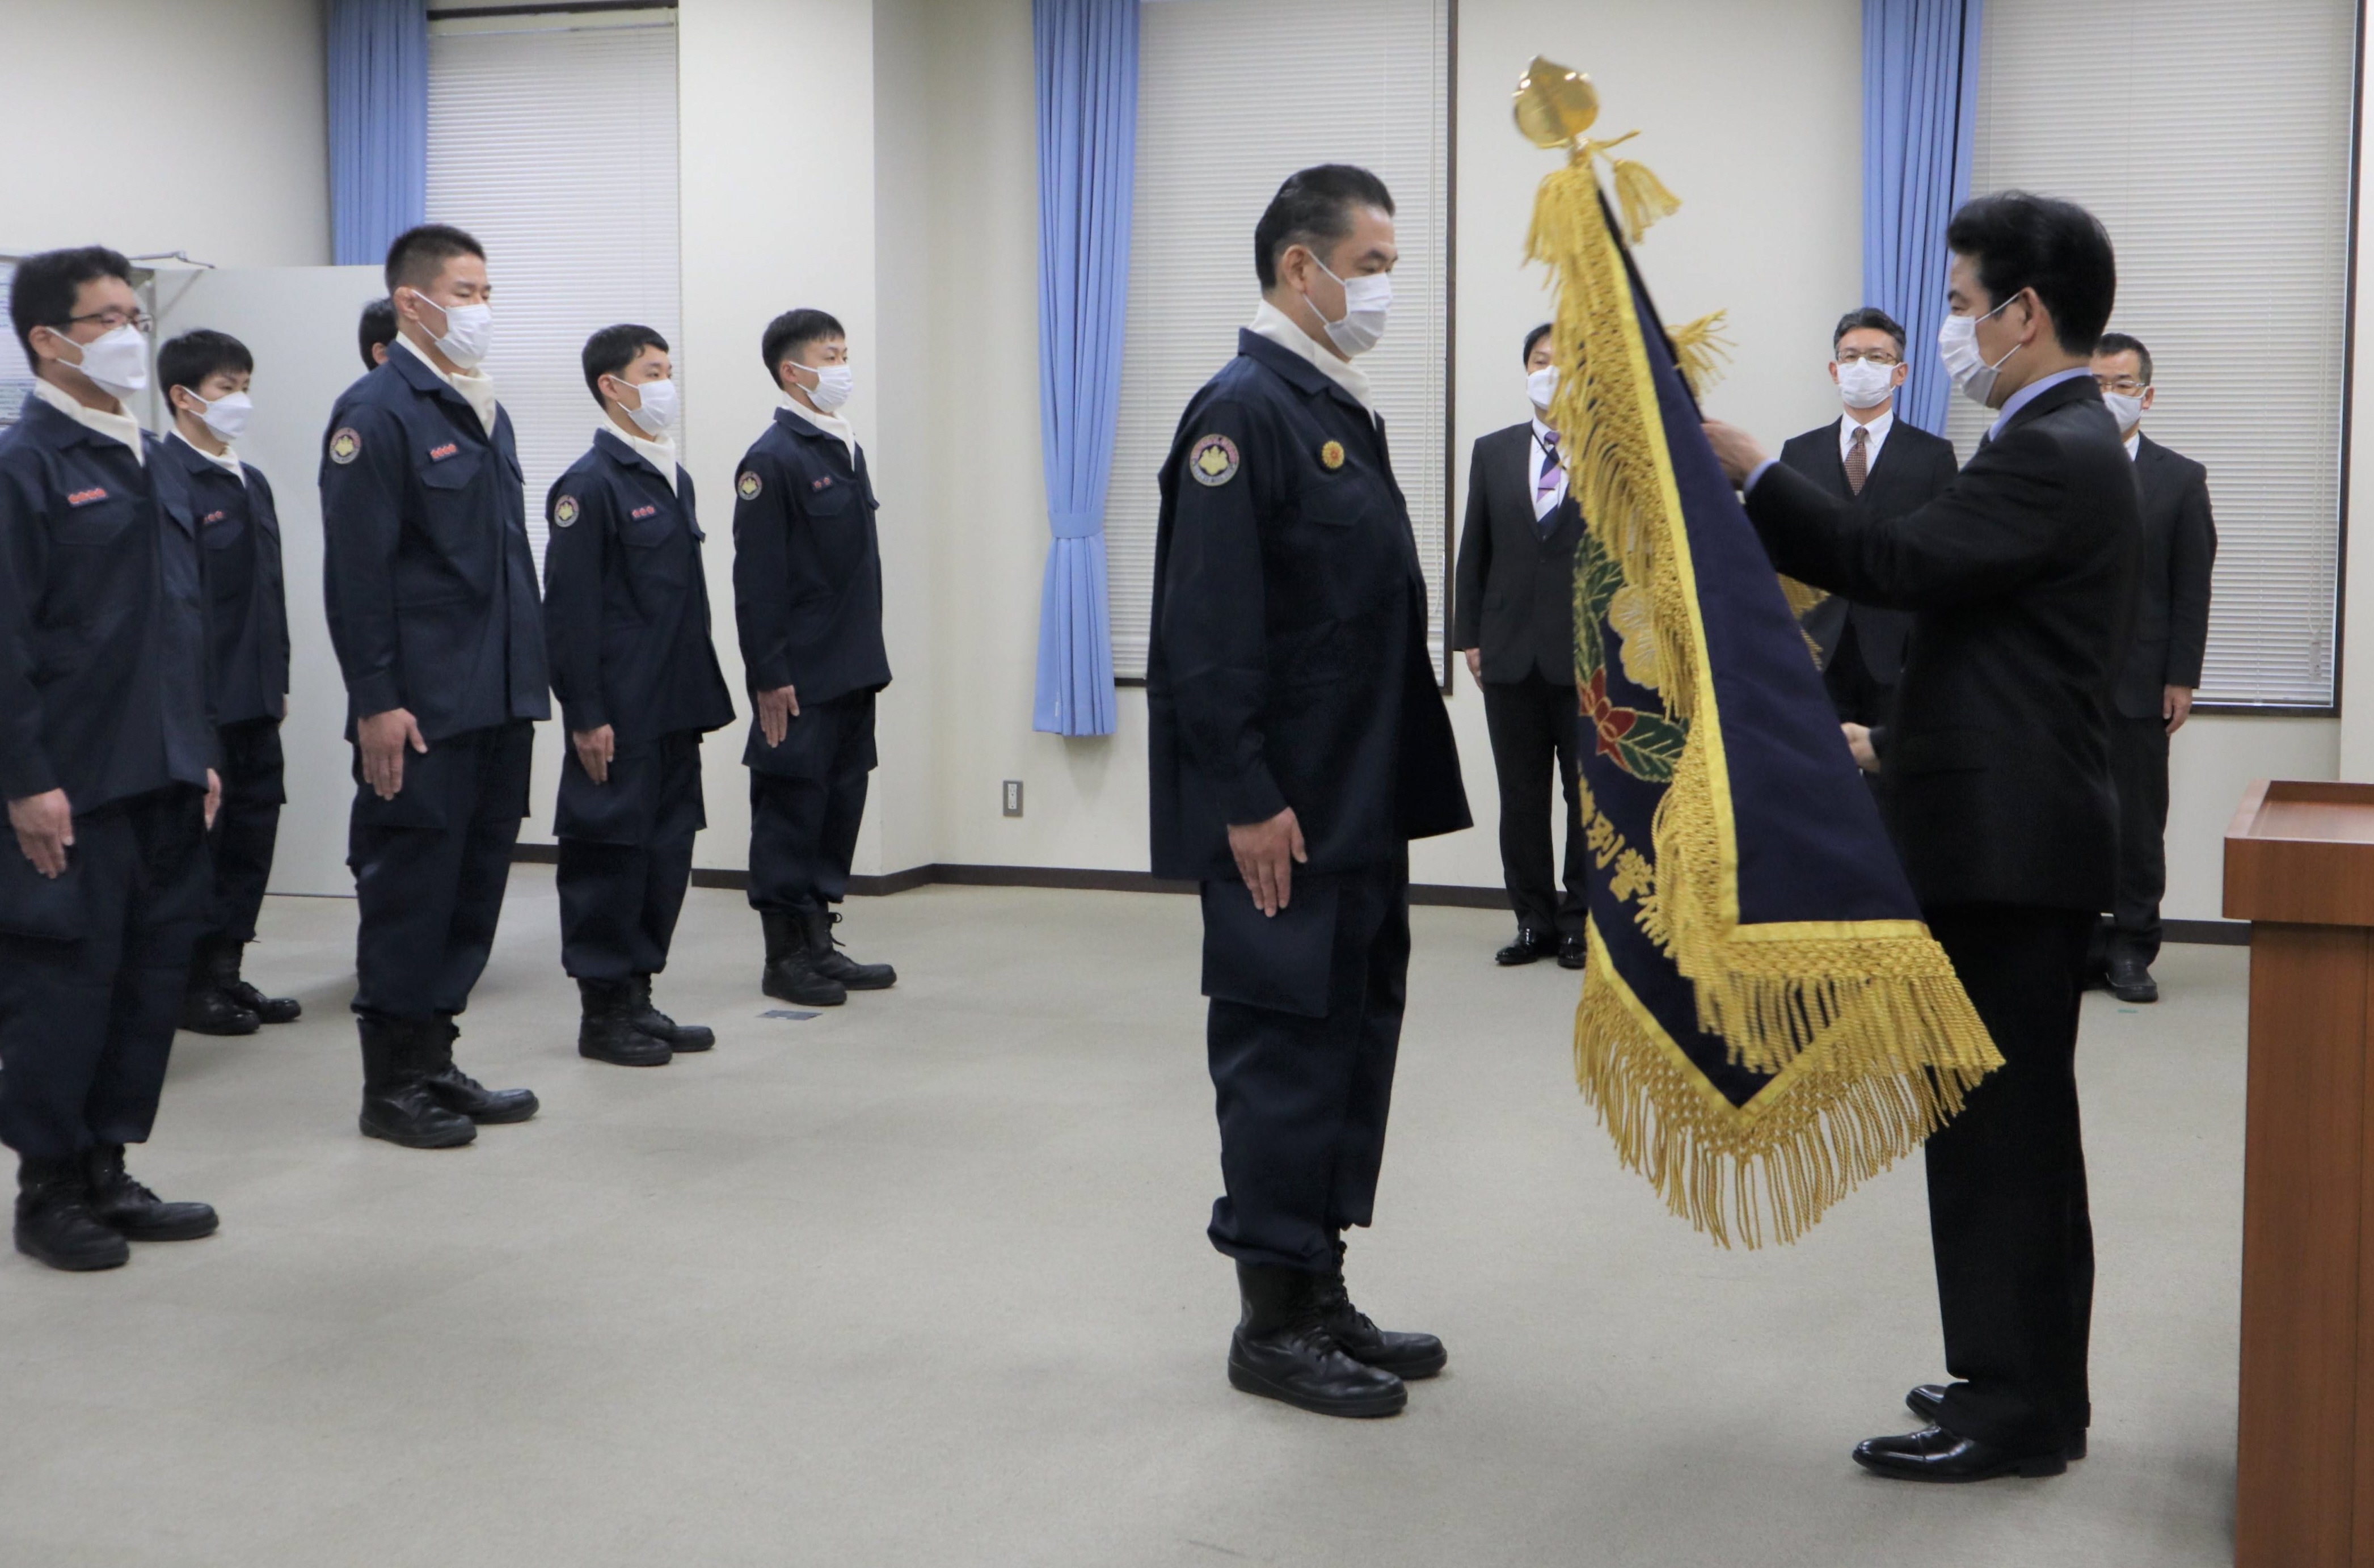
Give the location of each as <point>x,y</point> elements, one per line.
<point>747,486</point>
<point>564,511</point>
<point>346,445</point>
<point>1214,460</point>
<point>1331,455</point>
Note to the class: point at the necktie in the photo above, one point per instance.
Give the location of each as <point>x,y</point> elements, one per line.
<point>1858,458</point>
<point>1544,512</point>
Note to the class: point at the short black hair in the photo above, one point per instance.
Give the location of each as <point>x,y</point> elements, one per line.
<point>2017,240</point>
<point>609,351</point>
<point>1313,210</point>
<point>789,331</point>
<point>1533,337</point>
<point>378,328</point>
<point>43,289</point>
<point>2120,343</point>
<point>420,253</point>
<point>1870,317</point>
<point>192,357</point>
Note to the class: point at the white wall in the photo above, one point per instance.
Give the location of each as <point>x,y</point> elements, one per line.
<point>215,145</point>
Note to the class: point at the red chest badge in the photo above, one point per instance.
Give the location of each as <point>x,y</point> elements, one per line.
<point>642,512</point>
<point>84,498</point>
<point>439,453</point>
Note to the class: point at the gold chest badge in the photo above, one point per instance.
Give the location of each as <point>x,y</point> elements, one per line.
<point>1331,456</point>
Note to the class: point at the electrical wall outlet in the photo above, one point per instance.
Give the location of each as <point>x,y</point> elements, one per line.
<point>1013,797</point>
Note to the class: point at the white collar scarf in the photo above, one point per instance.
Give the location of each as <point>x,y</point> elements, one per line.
<point>1274,324</point>
<point>115,426</point>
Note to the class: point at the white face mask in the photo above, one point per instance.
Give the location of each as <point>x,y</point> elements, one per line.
<point>226,416</point>
<point>2127,410</point>
<point>1542,385</point>
<point>1957,345</point>
<point>1863,385</point>
<point>656,411</point>
<point>117,360</point>
<point>1367,301</point>
<point>834,384</point>
<point>469,331</point>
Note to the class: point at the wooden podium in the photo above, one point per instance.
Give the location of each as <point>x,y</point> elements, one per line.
<point>2299,866</point>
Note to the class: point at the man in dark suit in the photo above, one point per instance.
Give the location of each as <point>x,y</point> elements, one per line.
<point>1869,458</point>
<point>1297,743</point>
<point>1999,796</point>
<point>1513,617</point>
<point>2167,634</point>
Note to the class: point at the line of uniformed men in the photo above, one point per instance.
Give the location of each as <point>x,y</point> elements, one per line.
<point>143,671</point>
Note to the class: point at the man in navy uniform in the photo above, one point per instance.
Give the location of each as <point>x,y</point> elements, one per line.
<point>205,376</point>
<point>434,612</point>
<point>808,598</point>
<point>1876,462</point>
<point>1298,743</point>
<point>106,761</point>
<point>2168,635</point>
<point>626,618</point>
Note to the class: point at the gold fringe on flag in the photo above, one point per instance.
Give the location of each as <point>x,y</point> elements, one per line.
<point>1871,1037</point>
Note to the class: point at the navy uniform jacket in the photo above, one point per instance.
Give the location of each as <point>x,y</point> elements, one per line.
<point>102,619</point>
<point>247,607</point>
<point>425,567</point>
<point>1288,660</point>
<point>807,570</point>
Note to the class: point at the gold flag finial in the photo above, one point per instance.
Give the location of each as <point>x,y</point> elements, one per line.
<point>1554,105</point>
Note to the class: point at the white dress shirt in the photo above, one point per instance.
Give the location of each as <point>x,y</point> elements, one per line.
<point>2135,443</point>
<point>1871,442</point>
<point>1544,441</point>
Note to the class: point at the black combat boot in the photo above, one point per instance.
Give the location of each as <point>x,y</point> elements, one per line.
<point>659,1026</point>
<point>398,1105</point>
<point>1283,1351</point>
<point>1410,1356</point>
<point>792,974</point>
<point>228,983</point>
<point>830,961</point>
<point>606,1031</point>
<point>132,1211</point>
<point>206,1006</point>
<point>55,1223</point>
<point>457,1091</point>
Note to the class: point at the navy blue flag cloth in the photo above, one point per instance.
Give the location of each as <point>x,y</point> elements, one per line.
<point>1765,1020</point>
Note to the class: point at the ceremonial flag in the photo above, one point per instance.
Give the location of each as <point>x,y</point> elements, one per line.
<point>1765,1019</point>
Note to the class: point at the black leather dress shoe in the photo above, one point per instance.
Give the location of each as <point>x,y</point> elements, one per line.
<point>1529,947</point>
<point>1281,1351</point>
<point>1573,952</point>
<point>1927,1401</point>
<point>132,1211</point>
<point>1934,1454</point>
<point>2130,979</point>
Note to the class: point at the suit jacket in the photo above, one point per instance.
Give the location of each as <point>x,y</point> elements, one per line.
<point>2172,603</point>
<point>1913,468</point>
<point>1513,597</point>
<point>1289,664</point>
<point>426,569</point>
<point>807,574</point>
<point>247,604</point>
<point>1996,776</point>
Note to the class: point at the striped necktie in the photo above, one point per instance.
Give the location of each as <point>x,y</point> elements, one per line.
<point>1545,515</point>
<point>1858,458</point>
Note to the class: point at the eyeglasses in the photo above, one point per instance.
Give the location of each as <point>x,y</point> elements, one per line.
<point>113,317</point>
<point>2126,386</point>
<point>1879,357</point>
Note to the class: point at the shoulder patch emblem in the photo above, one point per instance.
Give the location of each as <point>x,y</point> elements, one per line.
<point>1331,455</point>
<point>747,487</point>
<point>564,511</point>
<point>346,445</point>
<point>1213,460</point>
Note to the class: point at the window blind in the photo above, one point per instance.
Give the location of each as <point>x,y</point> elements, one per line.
<point>1233,96</point>
<point>16,371</point>
<point>553,139</point>
<point>2213,140</point>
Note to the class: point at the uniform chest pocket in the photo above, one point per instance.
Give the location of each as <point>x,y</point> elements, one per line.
<point>444,476</point>
<point>1339,502</point>
<point>828,500</point>
<point>221,529</point>
<point>95,522</point>
<point>647,528</point>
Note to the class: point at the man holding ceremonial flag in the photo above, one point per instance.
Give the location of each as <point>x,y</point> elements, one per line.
<point>1997,789</point>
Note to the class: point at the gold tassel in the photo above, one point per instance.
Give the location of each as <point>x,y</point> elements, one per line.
<point>1700,350</point>
<point>1641,196</point>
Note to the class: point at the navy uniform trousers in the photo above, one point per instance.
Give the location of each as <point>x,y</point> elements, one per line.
<point>247,826</point>
<point>2008,1217</point>
<point>86,1025</point>
<point>807,797</point>
<point>1304,1027</point>
<point>622,876</point>
<point>430,867</point>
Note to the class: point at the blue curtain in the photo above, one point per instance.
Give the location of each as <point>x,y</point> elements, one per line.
<point>1087,160</point>
<point>379,122</point>
<point>1920,99</point>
